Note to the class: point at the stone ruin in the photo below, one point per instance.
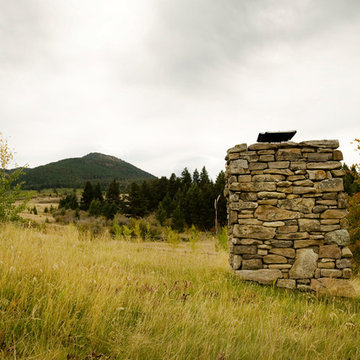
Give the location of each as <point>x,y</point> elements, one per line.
<point>286,215</point>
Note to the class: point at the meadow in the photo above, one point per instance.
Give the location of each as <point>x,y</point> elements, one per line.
<point>67,295</point>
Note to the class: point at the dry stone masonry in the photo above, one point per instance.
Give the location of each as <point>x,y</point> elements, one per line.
<point>286,215</point>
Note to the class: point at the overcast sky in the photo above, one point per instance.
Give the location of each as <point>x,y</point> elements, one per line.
<point>165,84</point>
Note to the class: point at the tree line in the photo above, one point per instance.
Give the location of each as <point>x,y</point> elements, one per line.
<point>176,201</point>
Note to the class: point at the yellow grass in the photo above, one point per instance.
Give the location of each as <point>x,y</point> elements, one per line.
<point>65,296</point>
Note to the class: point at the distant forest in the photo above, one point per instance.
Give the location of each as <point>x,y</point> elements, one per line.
<point>177,201</point>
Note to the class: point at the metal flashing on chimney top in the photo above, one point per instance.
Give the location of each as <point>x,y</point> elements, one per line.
<point>279,136</point>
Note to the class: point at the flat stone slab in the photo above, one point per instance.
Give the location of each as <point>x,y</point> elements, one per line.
<point>328,286</point>
<point>262,276</point>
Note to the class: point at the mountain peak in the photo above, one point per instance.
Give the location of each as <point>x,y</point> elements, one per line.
<point>74,172</point>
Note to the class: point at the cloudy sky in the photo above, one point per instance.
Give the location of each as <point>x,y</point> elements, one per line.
<point>165,84</point>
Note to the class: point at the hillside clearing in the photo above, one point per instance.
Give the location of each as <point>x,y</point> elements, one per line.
<point>64,296</point>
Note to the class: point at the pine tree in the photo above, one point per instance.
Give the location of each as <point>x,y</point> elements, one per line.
<point>113,193</point>
<point>186,179</point>
<point>196,177</point>
<point>136,203</point>
<point>161,214</point>
<point>87,196</point>
<point>98,193</point>
<point>178,221</point>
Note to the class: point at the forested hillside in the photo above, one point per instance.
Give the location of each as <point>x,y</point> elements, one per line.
<point>74,172</point>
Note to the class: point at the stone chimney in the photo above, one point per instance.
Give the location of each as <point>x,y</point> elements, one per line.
<point>286,215</point>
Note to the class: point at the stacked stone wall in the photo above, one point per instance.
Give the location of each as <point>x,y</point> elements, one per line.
<point>286,214</point>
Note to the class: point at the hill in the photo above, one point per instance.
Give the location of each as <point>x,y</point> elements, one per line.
<point>74,172</point>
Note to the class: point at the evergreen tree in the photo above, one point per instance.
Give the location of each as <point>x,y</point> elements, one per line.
<point>98,193</point>
<point>186,179</point>
<point>161,214</point>
<point>69,202</point>
<point>196,177</point>
<point>167,204</point>
<point>351,186</point>
<point>136,204</point>
<point>87,196</point>
<point>178,221</point>
<point>204,177</point>
<point>113,193</point>
<point>96,207</point>
<point>109,209</point>
<point>174,185</point>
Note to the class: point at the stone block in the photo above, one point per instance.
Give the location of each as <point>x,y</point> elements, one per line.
<point>281,243</point>
<point>252,264</point>
<point>263,146</point>
<point>253,186</point>
<point>297,165</point>
<point>237,259</point>
<point>286,283</point>
<point>243,249</point>
<point>287,252</point>
<point>332,144</point>
<point>299,244</point>
<point>337,155</point>
<point>319,209</point>
<point>329,251</point>
<point>257,166</point>
<point>254,231</point>
<point>330,185</point>
<point>305,264</point>
<point>328,286</point>
<point>347,273</point>
<point>272,213</point>
<point>286,172</point>
<point>274,259</point>
<point>279,165</point>
<point>328,165</point>
<point>306,183</point>
<point>244,178</point>
<point>327,265</point>
<point>236,166</point>
<point>238,148</point>
<point>304,190</point>
<point>267,158</point>
<point>274,223</point>
<point>271,195</point>
<point>298,204</point>
<point>318,156</point>
<point>346,252</point>
<point>243,205</point>
<point>287,229</point>
<point>293,236</point>
<point>280,266</point>
<point>316,174</point>
<point>339,237</point>
<point>343,263</point>
<point>333,214</point>
<point>309,225</point>
<point>331,273</point>
<point>288,154</point>
<point>268,178</point>
<point>262,276</point>
<point>338,173</point>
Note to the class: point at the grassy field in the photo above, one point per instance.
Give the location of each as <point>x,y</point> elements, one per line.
<point>65,296</point>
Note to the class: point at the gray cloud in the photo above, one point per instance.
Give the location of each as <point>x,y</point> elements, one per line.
<point>193,41</point>
<point>23,32</point>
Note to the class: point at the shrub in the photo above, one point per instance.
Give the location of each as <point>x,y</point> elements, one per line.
<point>10,194</point>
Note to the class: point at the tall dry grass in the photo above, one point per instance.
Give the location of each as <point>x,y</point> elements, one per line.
<point>65,296</point>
